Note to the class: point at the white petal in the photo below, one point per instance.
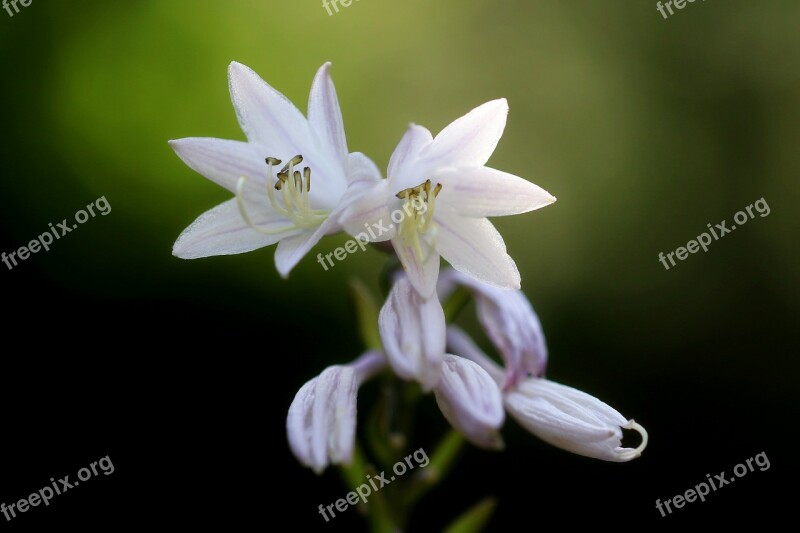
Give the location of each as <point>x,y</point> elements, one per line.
<point>266,116</point>
<point>572,420</point>
<point>220,160</point>
<point>322,419</point>
<point>486,192</point>
<point>474,247</point>
<point>413,334</point>
<point>298,426</point>
<point>325,116</point>
<point>471,401</point>
<point>361,168</point>
<point>222,231</point>
<point>422,272</point>
<point>368,216</point>
<point>335,412</point>
<point>408,149</point>
<point>459,343</point>
<point>290,251</point>
<point>471,139</point>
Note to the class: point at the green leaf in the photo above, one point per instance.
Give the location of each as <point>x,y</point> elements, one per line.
<point>366,314</point>
<point>475,518</point>
<point>442,461</point>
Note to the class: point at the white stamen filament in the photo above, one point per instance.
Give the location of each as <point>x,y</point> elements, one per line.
<point>294,188</point>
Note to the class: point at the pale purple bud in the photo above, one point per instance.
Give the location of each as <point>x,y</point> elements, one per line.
<point>511,324</point>
<point>572,420</point>
<point>413,333</point>
<point>321,425</point>
<point>471,401</point>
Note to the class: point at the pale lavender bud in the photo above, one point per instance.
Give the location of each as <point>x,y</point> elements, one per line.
<point>413,333</point>
<point>511,324</point>
<point>471,401</point>
<point>572,420</point>
<point>321,425</point>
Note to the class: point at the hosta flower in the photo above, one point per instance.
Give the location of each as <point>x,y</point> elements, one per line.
<point>271,174</point>
<point>557,414</point>
<point>321,425</point>
<point>509,321</point>
<point>412,329</point>
<point>437,196</point>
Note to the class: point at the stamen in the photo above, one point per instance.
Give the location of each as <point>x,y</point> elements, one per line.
<point>296,160</point>
<point>419,205</point>
<point>240,203</point>
<point>294,186</point>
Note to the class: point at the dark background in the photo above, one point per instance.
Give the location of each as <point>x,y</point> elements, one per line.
<point>182,371</point>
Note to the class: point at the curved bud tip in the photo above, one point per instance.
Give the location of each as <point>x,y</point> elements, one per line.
<point>627,454</point>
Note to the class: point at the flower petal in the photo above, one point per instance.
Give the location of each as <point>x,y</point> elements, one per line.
<point>486,192</point>
<point>408,149</point>
<point>290,251</point>
<point>572,420</point>
<point>423,271</point>
<point>221,161</point>
<point>368,216</point>
<point>222,231</point>
<point>266,116</point>
<point>413,333</point>
<point>471,139</point>
<point>362,170</point>
<point>325,116</point>
<point>321,422</point>
<point>459,343</point>
<point>471,401</point>
<point>474,247</point>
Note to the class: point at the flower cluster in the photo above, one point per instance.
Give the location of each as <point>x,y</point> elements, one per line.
<point>444,185</point>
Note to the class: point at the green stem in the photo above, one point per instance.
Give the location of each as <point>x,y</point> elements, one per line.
<point>378,513</point>
<point>457,301</point>
<point>442,461</point>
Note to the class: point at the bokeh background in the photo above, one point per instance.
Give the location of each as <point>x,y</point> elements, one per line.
<point>182,371</point>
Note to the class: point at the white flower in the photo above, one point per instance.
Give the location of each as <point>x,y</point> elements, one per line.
<point>321,425</point>
<point>509,321</point>
<point>271,173</point>
<point>444,193</point>
<point>471,401</point>
<point>557,414</point>
<point>412,329</point>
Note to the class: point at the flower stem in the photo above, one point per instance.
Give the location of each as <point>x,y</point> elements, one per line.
<point>442,460</point>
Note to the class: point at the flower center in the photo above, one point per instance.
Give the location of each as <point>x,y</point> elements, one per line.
<point>294,187</point>
<point>418,207</point>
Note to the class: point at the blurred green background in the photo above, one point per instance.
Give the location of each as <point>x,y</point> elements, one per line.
<point>645,129</point>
